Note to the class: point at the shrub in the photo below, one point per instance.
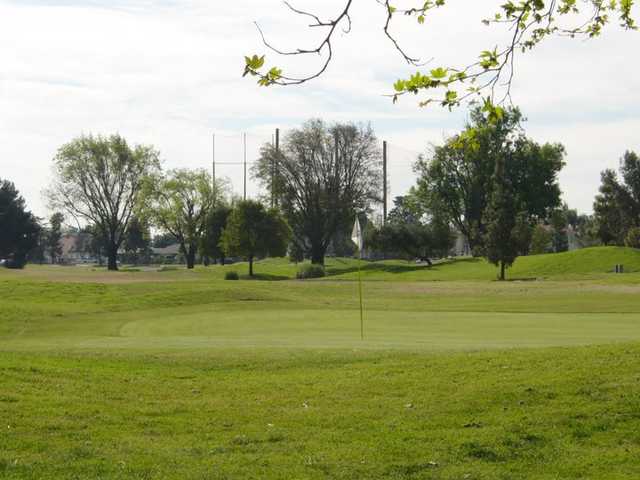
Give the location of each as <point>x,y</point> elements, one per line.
<point>231,275</point>
<point>633,238</point>
<point>310,270</point>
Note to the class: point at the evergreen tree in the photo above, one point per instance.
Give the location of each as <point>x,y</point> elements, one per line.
<point>54,235</point>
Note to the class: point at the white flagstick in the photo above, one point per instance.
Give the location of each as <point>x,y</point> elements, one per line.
<point>358,239</point>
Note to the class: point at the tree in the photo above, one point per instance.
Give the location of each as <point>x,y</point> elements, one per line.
<point>97,179</point>
<point>20,229</point>
<point>501,240</point>
<point>617,206</point>
<point>530,22</point>
<point>178,202</point>
<point>541,239</point>
<point>456,179</point>
<point>632,239</point>
<point>54,235</point>
<point>253,231</point>
<point>560,238</point>
<point>522,233</point>
<point>413,239</point>
<point>214,225</point>
<point>323,176</point>
<point>137,239</point>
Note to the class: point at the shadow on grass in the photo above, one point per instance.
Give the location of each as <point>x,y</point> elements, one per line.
<point>265,277</point>
<point>379,267</point>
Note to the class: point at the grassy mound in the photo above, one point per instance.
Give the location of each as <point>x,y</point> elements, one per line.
<point>585,261</point>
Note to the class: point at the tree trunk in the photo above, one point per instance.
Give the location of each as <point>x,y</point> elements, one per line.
<point>112,257</point>
<point>502,269</point>
<point>191,257</point>
<point>317,254</point>
<point>222,261</point>
<point>251,265</point>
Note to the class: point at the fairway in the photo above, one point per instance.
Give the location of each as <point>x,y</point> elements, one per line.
<point>269,379</point>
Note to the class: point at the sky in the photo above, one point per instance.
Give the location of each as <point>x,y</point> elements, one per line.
<point>168,73</point>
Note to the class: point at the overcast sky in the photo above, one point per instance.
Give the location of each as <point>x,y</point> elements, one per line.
<point>168,73</point>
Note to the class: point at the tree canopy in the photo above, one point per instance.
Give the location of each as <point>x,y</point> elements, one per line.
<point>321,176</point>
<point>617,206</point>
<point>20,229</point>
<point>254,231</point>
<point>528,22</point>
<point>178,202</point>
<point>457,177</point>
<point>97,180</point>
<point>214,225</point>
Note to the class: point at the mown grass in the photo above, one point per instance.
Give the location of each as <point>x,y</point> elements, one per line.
<point>534,414</point>
<point>180,374</point>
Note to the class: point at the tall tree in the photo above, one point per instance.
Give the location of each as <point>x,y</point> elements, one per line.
<point>19,231</point>
<point>501,237</point>
<point>97,180</point>
<point>54,235</point>
<point>530,22</point>
<point>253,231</point>
<point>617,206</point>
<point>178,202</point>
<point>456,178</point>
<point>323,175</point>
<point>214,225</point>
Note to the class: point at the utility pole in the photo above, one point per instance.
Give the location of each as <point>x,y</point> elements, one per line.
<point>245,165</point>
<point>274,169</point>
<point>384,182</point>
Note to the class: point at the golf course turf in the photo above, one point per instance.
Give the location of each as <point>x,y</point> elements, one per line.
<point>176,374</point>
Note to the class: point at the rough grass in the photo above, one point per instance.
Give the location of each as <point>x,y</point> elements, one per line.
<point>534,414</point>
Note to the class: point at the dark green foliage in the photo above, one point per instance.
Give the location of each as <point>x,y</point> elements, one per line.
<point>633,238</point>
<point>456,179</point>
<point>320,177</point>
<point>253,231</point>
<point>215,223</point>
<point>296,253</point>
<point>54,235</point>
<point>501,242</point>
<point>522,233</point>
<point>617,206</point>
<point>310,270</point>
<point>231,275</point>
<point>19,228</point>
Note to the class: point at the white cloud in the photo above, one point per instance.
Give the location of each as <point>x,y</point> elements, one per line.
<point>168,73</point>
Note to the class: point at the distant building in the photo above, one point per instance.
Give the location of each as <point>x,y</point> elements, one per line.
<point>76,248</point>
<point>169,254</point>
<point>461,246</point>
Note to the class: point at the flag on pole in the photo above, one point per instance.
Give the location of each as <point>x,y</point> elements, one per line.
<point>357,238</point>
